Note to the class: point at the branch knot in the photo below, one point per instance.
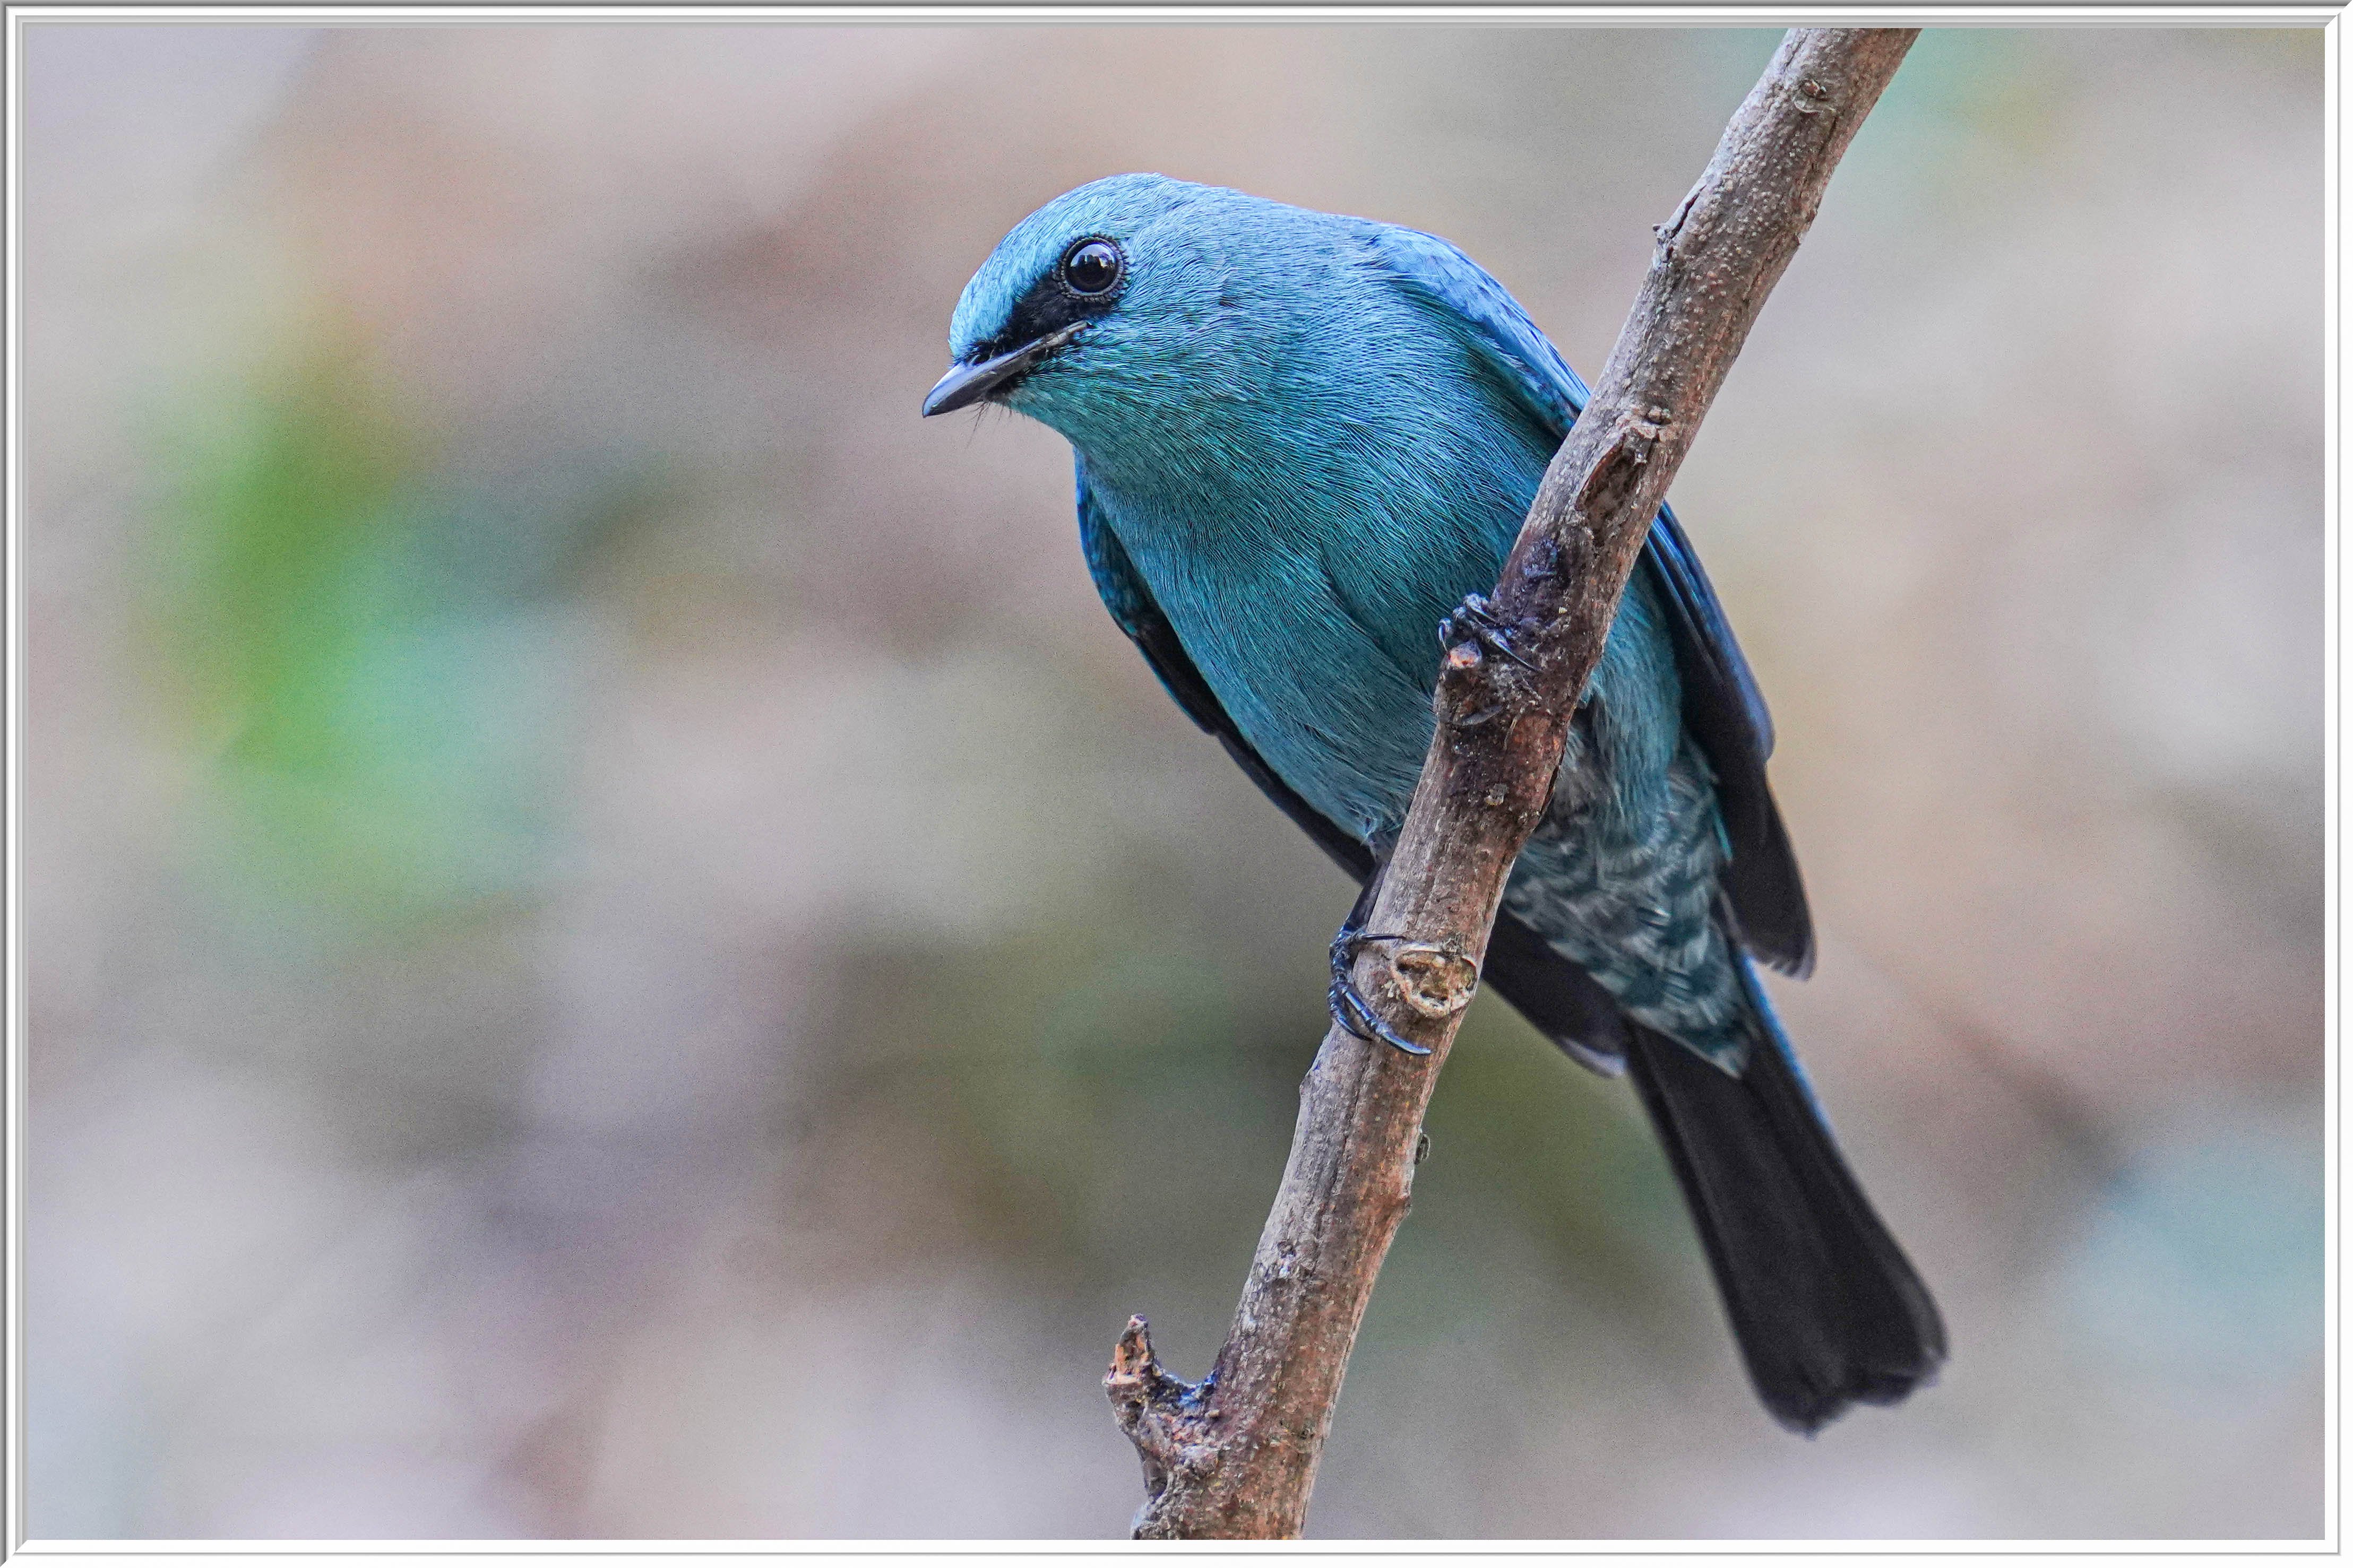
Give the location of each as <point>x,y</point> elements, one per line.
<point>1436,980</point>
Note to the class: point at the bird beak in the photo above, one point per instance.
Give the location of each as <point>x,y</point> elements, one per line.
<point>966,385</point>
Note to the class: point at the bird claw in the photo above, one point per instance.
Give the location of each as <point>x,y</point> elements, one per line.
<point>1348,1007</point>
<point>1474,620</point>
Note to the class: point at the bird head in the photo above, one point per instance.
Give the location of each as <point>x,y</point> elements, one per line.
<point>1095,306</point>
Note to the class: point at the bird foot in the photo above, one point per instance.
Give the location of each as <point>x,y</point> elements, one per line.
<point>1349,1008</point>
<point>1474,620</point>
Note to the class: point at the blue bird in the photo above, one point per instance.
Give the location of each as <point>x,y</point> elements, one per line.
<point>1303,442</point>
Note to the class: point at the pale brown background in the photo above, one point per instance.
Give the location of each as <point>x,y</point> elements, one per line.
<point>618,947</point>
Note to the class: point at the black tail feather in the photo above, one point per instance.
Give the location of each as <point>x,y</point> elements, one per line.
<point>1827,1309</point>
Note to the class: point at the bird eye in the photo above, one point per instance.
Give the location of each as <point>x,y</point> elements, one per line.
<point>1093,266</point>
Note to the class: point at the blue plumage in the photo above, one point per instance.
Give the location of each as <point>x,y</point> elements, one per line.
<point>1301,440</point>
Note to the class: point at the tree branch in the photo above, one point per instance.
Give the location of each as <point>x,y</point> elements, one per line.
<point>1235,1454</point>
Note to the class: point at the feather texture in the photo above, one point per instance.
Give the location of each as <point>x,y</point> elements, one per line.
<point>1301,440</point>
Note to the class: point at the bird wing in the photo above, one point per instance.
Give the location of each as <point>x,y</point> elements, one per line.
<point>1140,617</point>
<point>1557,995</point>
<point>1722,707</point>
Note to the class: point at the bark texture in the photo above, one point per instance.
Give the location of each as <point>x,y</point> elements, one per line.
<point>1235,1454</point>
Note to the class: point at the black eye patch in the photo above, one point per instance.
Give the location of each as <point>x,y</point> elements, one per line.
<point>1085,282</point>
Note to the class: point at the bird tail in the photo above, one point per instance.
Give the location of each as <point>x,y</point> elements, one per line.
<point>1827,1309</point>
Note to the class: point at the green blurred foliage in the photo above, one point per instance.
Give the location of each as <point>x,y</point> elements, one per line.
<point>1111,1101</point>
<point>379,652</point>
<point>1518,1132</point>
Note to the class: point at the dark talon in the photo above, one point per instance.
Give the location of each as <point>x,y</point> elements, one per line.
<point>1483,628</point>
<point>1347,1005</point>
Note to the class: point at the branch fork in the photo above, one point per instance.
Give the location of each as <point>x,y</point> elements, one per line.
<point>1165,1417</point>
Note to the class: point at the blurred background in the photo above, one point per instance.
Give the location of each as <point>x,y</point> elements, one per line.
<point>618,947</point>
